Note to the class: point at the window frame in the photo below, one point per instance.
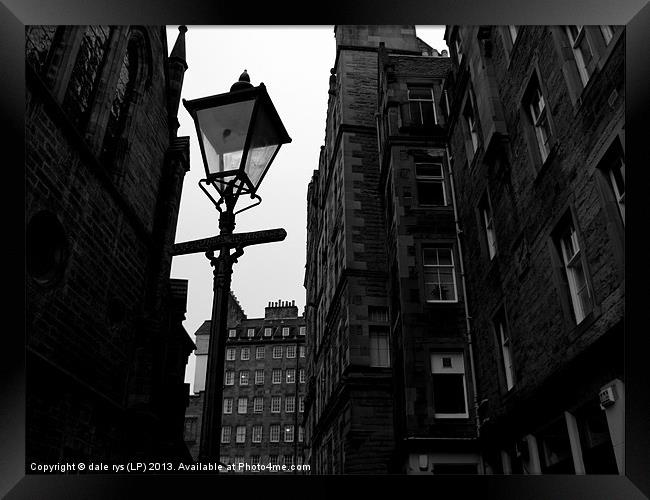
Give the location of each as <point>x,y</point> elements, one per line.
<point>259,376</point>
<point>290,375</point>
<point>431,180</point>
<point>569,263</point>
<point>231,354</point>
<point>268,331</point>
<point>226,434</point>
<point>379,332</point>
<point>276,380</point>
<point>277,352</point>
<point>244,377</point>
<point>258,408</point>
<point>539,158</point>
<point>258,350</point>
<point>421,121</point>
<point>232,333</point>
<point>439,246</point>
<point>250,333</point>
<point>229,377</point>
<point>227,405</point>
<point>504,341</point>
<point>240,437</point>
<point>458,355</point>
<point>257,433</point>
<point>242,406</point>
<point>245,354</point>
<point>291,349</point>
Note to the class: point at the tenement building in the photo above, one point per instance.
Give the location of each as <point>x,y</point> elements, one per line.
<point>390,369</point>
<point>465,244</point>
<point>105,345</point>
<point>538,144</point>
<point>264,387</point>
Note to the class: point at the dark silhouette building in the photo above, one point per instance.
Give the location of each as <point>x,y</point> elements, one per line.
<point>465,254</point>
<point>264,381</point>
<point>106,350</point>
<point>538,142</point>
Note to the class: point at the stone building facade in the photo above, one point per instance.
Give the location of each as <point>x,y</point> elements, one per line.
<point>465,246</point>
<point>538,142</point>
<point>106,350</point>
<point>264,387</point>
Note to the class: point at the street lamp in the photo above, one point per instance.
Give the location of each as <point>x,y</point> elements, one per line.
<point>239,133</point>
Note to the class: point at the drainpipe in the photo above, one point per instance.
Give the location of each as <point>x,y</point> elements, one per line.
<point>462,277</point>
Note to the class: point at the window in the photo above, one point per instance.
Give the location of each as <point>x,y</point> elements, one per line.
<point>230,354</point>
<point>505,345</point>
<point>243,377</point>
<point>258,405</point>
<point>512,29</point>
<point>273,459</point>
<point>122,99</point>
<point>439,275</point>
<point>555,449</point>
<point>303,379</point>
<point>230,377</point>
<point>224,459</point>
<point>595,440</point>
<point>538,115</point>
<point>613,167</point>
<point>255,459</point>
<point>291,376</point>
<point>257,434</point>
<point>301,404</point>
<point>242,405</point>
<point>274,434</point>
<point>277,352</point>
<point>245,354</point>
<point>267,332</point>
<point>422,110</point>
<point>379,348</point>
<point>449,390</point>
<point>608,33</point>
<point>285,331</point>
<point>574,271</point>
<point>276,404</point>
<point>582,51</point>
<point>227,405</point>
<point>290,404</point>
<point>276,376</point>
<point>225,434</point>
<point>291,351</point>
<point>251,333</point>
<point>86,73</point>
<point>303,330</point>
<point>288,460</point>
<point>288,434</point>
<point>430,184</point>
<point>302,351</point>
<point>232,333</point>
<point>259,377</point>
<point>301,434</point>
<point>241,435</point>
<point>259,352</point>
<point>470,121</point>
<point>487,221</point>
<point>239,459</point>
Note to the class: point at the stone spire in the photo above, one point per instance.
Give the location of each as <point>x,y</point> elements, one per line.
<point>177,66</point>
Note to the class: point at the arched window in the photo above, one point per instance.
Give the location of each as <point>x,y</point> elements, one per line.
<point>38,42</point>
<point>86,72</point>
<point>134,70</point>
<point>121,100</point>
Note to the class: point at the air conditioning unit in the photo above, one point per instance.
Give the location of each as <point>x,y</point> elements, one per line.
<point>607,397</point>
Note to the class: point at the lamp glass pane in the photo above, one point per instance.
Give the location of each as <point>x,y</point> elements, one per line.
<point>223,132</point>
<point>265,141</point>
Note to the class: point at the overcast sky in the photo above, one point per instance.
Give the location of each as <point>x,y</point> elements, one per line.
<point>293,63</point>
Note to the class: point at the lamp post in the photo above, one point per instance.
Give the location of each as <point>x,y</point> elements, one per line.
<point>239,133</point>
